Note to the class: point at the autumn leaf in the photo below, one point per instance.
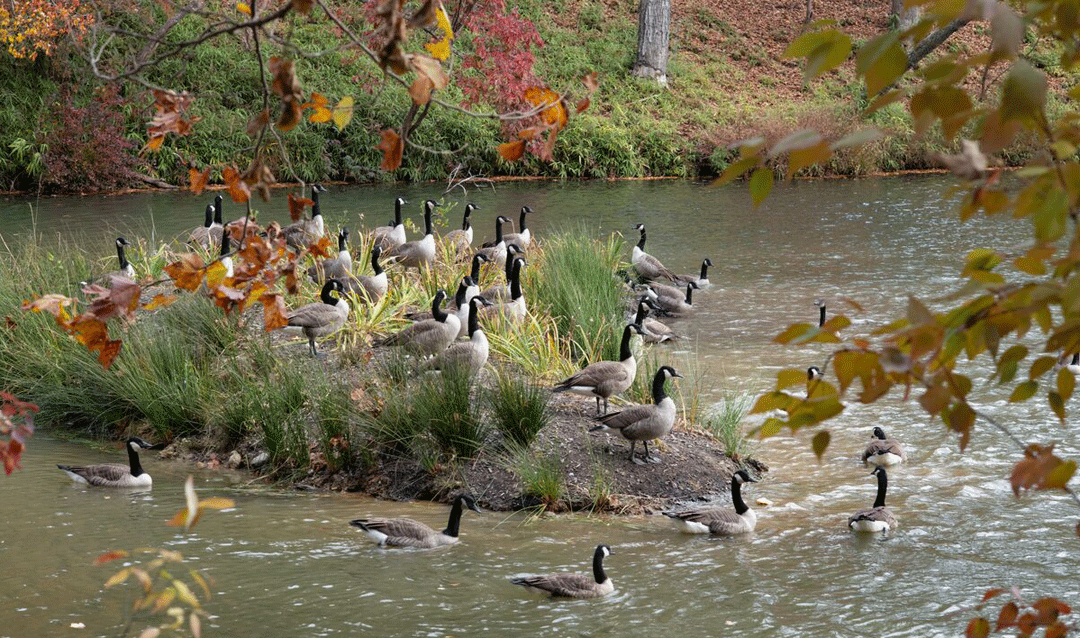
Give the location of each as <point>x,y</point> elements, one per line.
<point>303,6</point>
<point>393,147</point>
<point>111,556</point>
<point>274,313</point>
<point>187,273</point>
<point>215,274</point>
<point>555,113</point>
<point>440,50</point>
<point>160,300</point>
<point>238,190</point>
<point>431,68</point>
<point>512,151</point>
<point>258,122</point>
<point>1041,469</point>
<point>190,515</point>
<point>297,206</point>
<point>198,180</point>
<point>53,304</point>
<point>343,112</point>
<point>420,90</point>
<point>243,7</point>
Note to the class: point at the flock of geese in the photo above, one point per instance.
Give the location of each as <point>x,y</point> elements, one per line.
<point>451,336</point>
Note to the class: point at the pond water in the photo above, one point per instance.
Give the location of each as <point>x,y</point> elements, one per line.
<point>285,563</point>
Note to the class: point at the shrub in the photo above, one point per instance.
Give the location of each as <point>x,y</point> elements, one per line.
<point>87,150</point>
<point>520,408</point>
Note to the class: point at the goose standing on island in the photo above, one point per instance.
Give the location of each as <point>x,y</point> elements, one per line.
<point>644,422</point>
<point>339,267</point>
<point>460,240</point>
<point>126,269</point>
<point>645,265</point>
<point>420,253</point>
<point>717,520</point>
<point>605,379</point>
<point>883,450</point>
<point>405,532</point>
<point>653,331</point>
<point>307,231</point>
<point>393,234</point>
<point>112,475</point>
<point>468,356</point>
<point>430,336</point>
<point>322,318</point>
<point>573,585</point>
<point>515,309</point>
<point>371,286</point>
<point>496,252</point>
<point>201,236</point>
<point>878,518</point>
<point>673,305</point>
<point>524,236</point>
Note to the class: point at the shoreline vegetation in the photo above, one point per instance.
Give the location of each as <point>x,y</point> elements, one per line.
<point>223,391</point>
<point>727,83</point>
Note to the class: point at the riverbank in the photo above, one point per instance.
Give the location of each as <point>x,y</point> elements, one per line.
<point>727,83</point>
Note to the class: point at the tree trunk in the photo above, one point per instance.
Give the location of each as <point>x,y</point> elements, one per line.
<point>654,28</point>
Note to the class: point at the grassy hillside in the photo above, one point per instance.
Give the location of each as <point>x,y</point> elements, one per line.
<point>727,83</point>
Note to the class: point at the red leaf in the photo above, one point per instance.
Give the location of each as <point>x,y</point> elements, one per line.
<point>110,556</point>
<point>978,628</point>
<point>238,190</point>
<point>108,353</point>
<point>393,147</point>
<point>1007,617</point>
<point>274,314</point>
<point>297,206</point>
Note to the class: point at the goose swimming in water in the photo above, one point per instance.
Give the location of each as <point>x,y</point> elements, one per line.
<point>720,521</point>
<point>112,475</point>
<point>573,585</point>
<point>405,532</point>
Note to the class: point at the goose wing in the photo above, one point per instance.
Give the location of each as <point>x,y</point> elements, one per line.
<point>105,475</point>
<point>627,418</point>
<point>599,375</point>
<point>401,532</point>
<point>314,315</point>
<point>568,585</point>
<point>874,514</point>
<point>718,520</point>
<point>888,446</point>
<point>650,267</point>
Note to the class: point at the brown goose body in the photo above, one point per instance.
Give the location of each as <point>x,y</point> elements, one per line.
<point>573,585</point>
<point>420,253</point>
<point>883,450</point>
<point>605,379</point>
<point>339,267</point>
<point>307,231</point>
<point>321,318</point>
<point>645,265</point>
<point>113,475</point>
<point>468,356</point>
<point>460,240</point>
<point>392,235</point>
<point>430,336</point>
<point>877,518</point>
<point>406,532</point>
<point>718,520</point>
<point>644,422</point>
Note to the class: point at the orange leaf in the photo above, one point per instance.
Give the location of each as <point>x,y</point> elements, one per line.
<point>274,315</point>
<point>1007,617</point>
<point>108,353</point>
<point>1041,469</point>
<point>238,190</point>
<point>420,90</point>
<point>321,248</point>
<point>159,301</point>
<point>258,122</point>
<point>320,116</point>
<point>317,100</point>
<point>154,143</point>
<point>89,330</point>
<point>547,151</point>
<point>110,556</point>
<point>187,273</point>
<point>198,180</point>
<point>977,628</point>
<point>430,67</point>
<point>512,151</point>
<point>393,147</point>
<point>297,206</point>
<point>582,104</point>
<point>555,113</point>
<point>531,133</point>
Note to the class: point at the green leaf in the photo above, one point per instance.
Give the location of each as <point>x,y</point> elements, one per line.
<point>761,183</point>
<point>881,61</point>
<point>884,100</point>
<point>804,45</point>
<point>789,378</point>
<point>803,138</point>
<point>1056,405</point>
<point>977,628</point>
<point>770,427</point>
<point>771,401</point>
<point>1024,391</point>
<point>1050,219</point>
<point>832,53</point>
<point>1041,366</point>
<point>1066,383</point>
<point>820,442</point>
<point>793,332</point>
<point>801,158</point>
<point>1013,354</point>
<point>1006,31</point>
<point>1024,93</point>
<point>736,169</point>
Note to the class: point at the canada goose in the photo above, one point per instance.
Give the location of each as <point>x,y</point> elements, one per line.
<point>496,252</point>
<point>469,356</point>
<point>126,269</point>
<point>524,236</point>
<point>820,303</point>
<point>701,280</point>
<point>645,265</point>
<point>306,231</point>
<point>718,520</point>
<point>321,318</point>
<point>226,258</point>
<point>339,267</point>
<point>371,286</point>
<point>416,254</point>
<point>652,331</point>
<point>677,305</point>
<point>1073,364</point>
<point>878,518</point>
<point>431,335</point>
<point>460,240</point>
<point>604,379</point>
<point>405,532</point>
<point>459,306</point>
<point>644,422</point>
<point>201,236</point>
<point>498,293</point>
<point>883,451</point>
<point>393,234</point>
<point>573,585</point>
<point>111,475</point>
<point>515,309</point>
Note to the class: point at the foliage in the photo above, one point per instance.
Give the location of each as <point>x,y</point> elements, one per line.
<point>166,594</point>
<point>541,476</point>
<point>86,149</point>
<point>724,423</point>
<point>16,426</point>
<point>1022,618</point>
<point>29,28</point>
<point>519,407</point>
<point>500,64</point>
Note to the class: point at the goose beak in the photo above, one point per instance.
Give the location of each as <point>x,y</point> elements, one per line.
<point>476,508</point>
<point>678,376</point>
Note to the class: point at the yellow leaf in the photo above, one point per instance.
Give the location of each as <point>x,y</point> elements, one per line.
<point>183,593</point>
<point>215,274</point>
<point>118,577</point>
<point>217,503</point>
<point>243,7</point>
<point>441,50</point>
<point>343,112</point>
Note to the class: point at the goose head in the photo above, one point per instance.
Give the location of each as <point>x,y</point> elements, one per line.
<point>708,262</point>
<point>121,242</point>
<point>879,433</point>
<point>469,208</point>
<point>669,372</point>
<point>468,501</point>
<point>742,476</point>
<point>135,443</point>
<point>639,227</point>
<point>813,372</point>
<point>603,550</point>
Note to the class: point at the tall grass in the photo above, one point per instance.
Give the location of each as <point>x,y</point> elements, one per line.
<point>575,284</point>
<point>541,476</point>
<point>519,407</point>
<point>723,422</point>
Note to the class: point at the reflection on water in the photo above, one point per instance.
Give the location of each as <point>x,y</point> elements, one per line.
<point>288,564</point>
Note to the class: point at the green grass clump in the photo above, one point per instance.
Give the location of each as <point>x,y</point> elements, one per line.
<point>541,476</point>
<point>520,408</point>
<point>575,283</point>
<point>724,423</point>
